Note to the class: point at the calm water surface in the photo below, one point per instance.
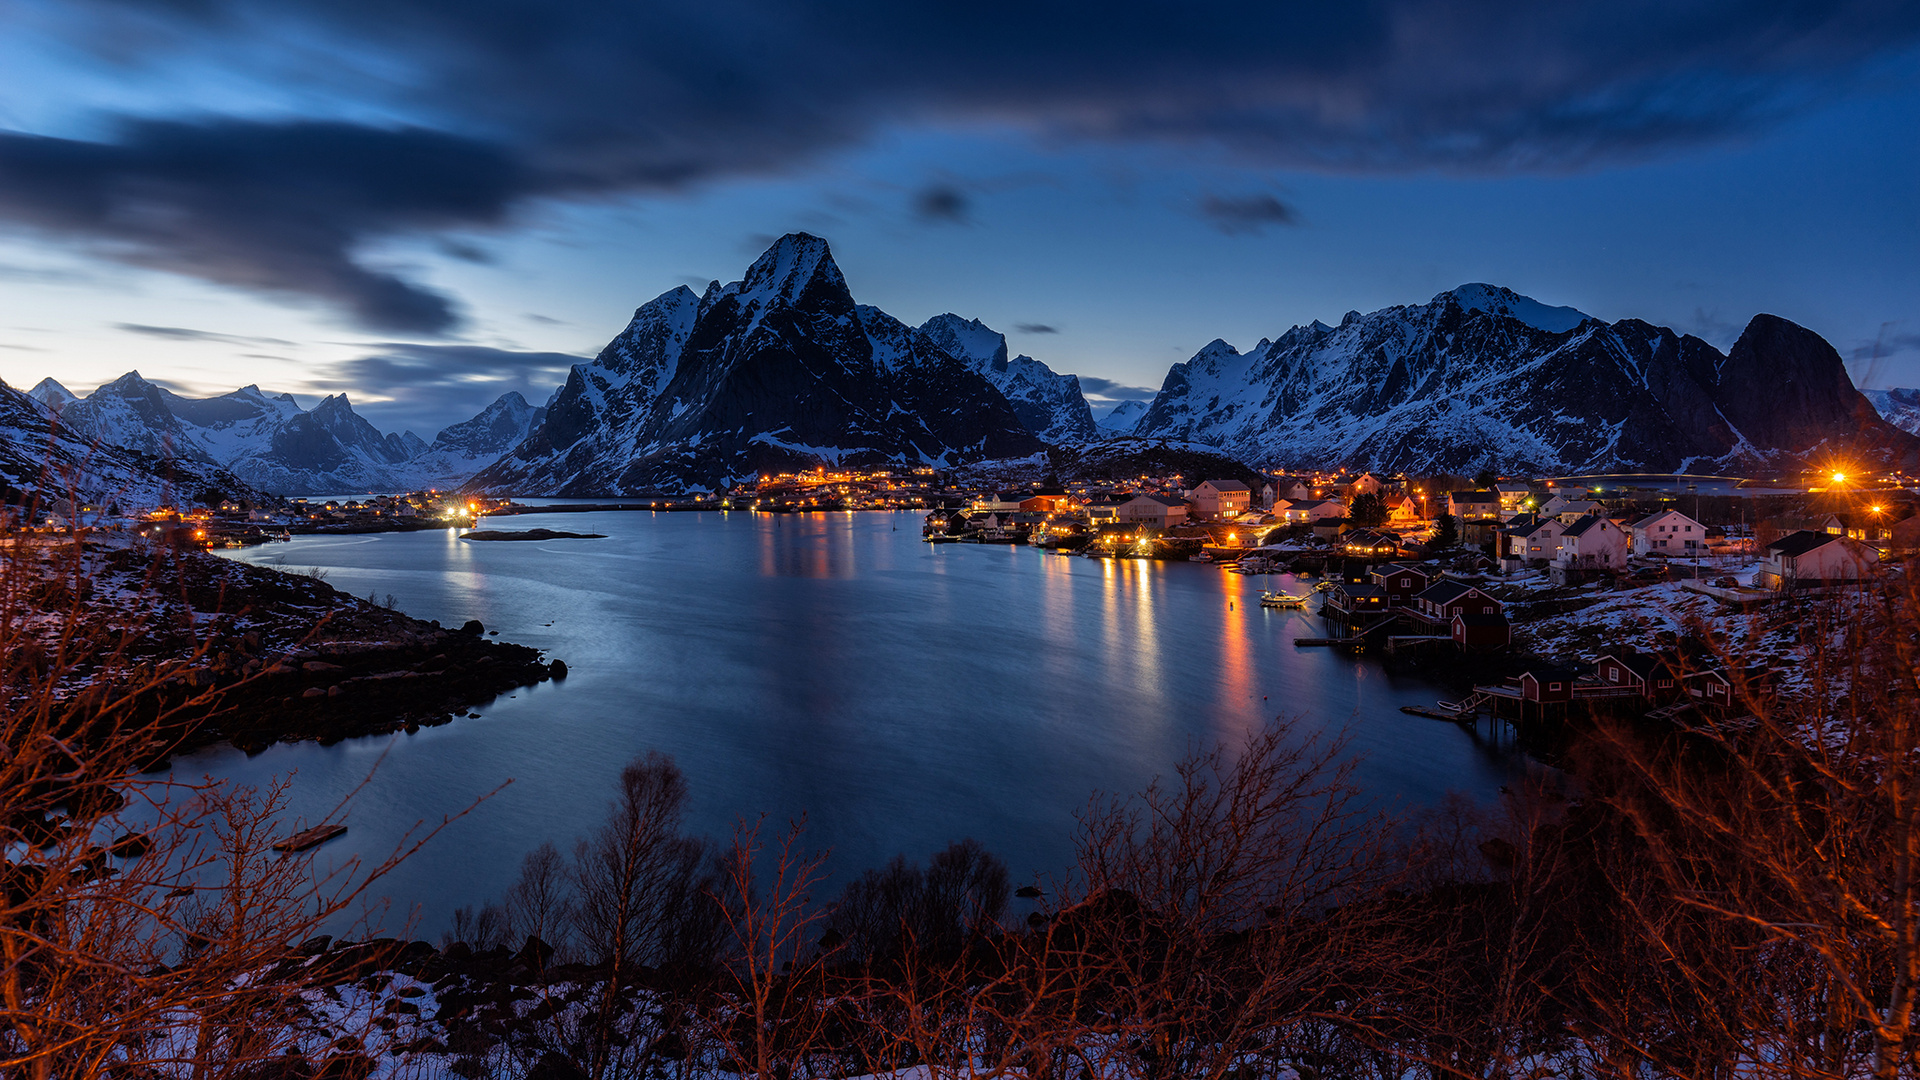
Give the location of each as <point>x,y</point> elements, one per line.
<point>901,695</point>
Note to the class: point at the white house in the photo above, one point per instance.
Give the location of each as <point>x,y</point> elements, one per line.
<point>1669,532</point>
<point>1569,508</point>
<point>1589,544</point>
<point>1535,542</point>
<point>1220,498</point>
<point>1809,558</point>
<point>1308,511</point>
<point>1513,497</point>
<point>1160,511</point>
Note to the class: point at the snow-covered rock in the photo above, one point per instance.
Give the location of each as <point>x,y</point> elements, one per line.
<point>1898,406</point>
<point>778,371</point>
<point>1122,417</point>
<point>463,449</point>
<point>1484,377</point>
<point>1049,404</point>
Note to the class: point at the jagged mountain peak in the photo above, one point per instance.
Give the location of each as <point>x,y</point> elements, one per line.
<point>797,271</point>
<point>1499,300</point>
<point>50,393</point>
<point>967,339</point>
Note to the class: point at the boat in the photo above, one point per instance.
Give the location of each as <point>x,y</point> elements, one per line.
<point>1281,600</point>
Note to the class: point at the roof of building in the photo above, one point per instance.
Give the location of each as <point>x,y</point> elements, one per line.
<point>1445,591</point>
<point>1475,618</point>
<point>1474,496</point>
<point>1163,500</point>
<point>1641,664</point>
<point>1584,525</point>
<point>1389,569</point>
<point>1551,673</point>
<point>1802,542</point>
<point>1226,485</point>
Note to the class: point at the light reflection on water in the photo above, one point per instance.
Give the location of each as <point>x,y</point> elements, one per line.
<point>900,694</point>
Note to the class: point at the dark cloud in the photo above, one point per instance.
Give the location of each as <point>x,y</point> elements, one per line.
<point>466,252</point>
<point>431,386</point>
<point>941,204</point>
<point>1035,328</point>
<point>514,100</point>
<point>182,333</point>
<point>1097,387</point>
<point>272,207</point>
<point>1238,215</point>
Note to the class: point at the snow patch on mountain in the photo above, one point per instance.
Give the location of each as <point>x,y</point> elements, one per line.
<point>1899,406</point>
<point>1120,418</point>
<point>1502,301</point>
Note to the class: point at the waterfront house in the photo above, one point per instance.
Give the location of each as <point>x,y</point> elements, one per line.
<point>1104,510</point>
<point>1440,602</point>
<point>1220,498</point>
<point>1656,678</point>
<point>1371,543</point>
<point>1475,632</point>
<point>1807,559</point>
<point>1473,505</point>
<point>1357,601</point>
<point>1400,582</point>
<point>1668,532</point>
<point>1159,511</point>
<point>1548,685</point>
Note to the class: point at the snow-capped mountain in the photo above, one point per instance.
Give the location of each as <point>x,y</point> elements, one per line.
<point>1120,419</point>
<point>50,393</point>
<point>1484,377</point>
<point>778,371</point>
<point>1049,404</point>
<point>44,461</point>
<point>1899,406</point>
<point>465,448</point>
<point>273,444</point>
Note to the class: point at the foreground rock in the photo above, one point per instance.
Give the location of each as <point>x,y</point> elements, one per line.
<point>530,534</point>
<point>267,656</point>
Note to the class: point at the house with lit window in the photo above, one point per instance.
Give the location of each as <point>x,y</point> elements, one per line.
<point>1220,499</point>
<point>1592,545</point>
<point>1474,505</point>
<point>1808,559</point>
<point>1158,511</point>
<point>1670,533</point>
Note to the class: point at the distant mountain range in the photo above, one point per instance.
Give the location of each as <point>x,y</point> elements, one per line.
<point>270,443</point>
<point>783,370</point>
<point>1483,377</point>
<point>46,463</point>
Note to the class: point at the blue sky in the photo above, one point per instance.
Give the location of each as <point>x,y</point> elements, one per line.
<point>424,204</point>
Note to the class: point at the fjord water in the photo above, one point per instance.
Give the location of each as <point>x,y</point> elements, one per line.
<point>901,695</point>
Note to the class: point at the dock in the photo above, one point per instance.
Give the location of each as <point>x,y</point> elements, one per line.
<point>309,838</point>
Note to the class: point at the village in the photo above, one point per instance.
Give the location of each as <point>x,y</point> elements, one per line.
<point>1542,596</point>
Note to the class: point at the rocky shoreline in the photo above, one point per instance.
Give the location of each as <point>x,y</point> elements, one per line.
<point>255,656</point>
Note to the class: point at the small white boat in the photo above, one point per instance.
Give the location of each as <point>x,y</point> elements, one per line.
<point>1281,600</point>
